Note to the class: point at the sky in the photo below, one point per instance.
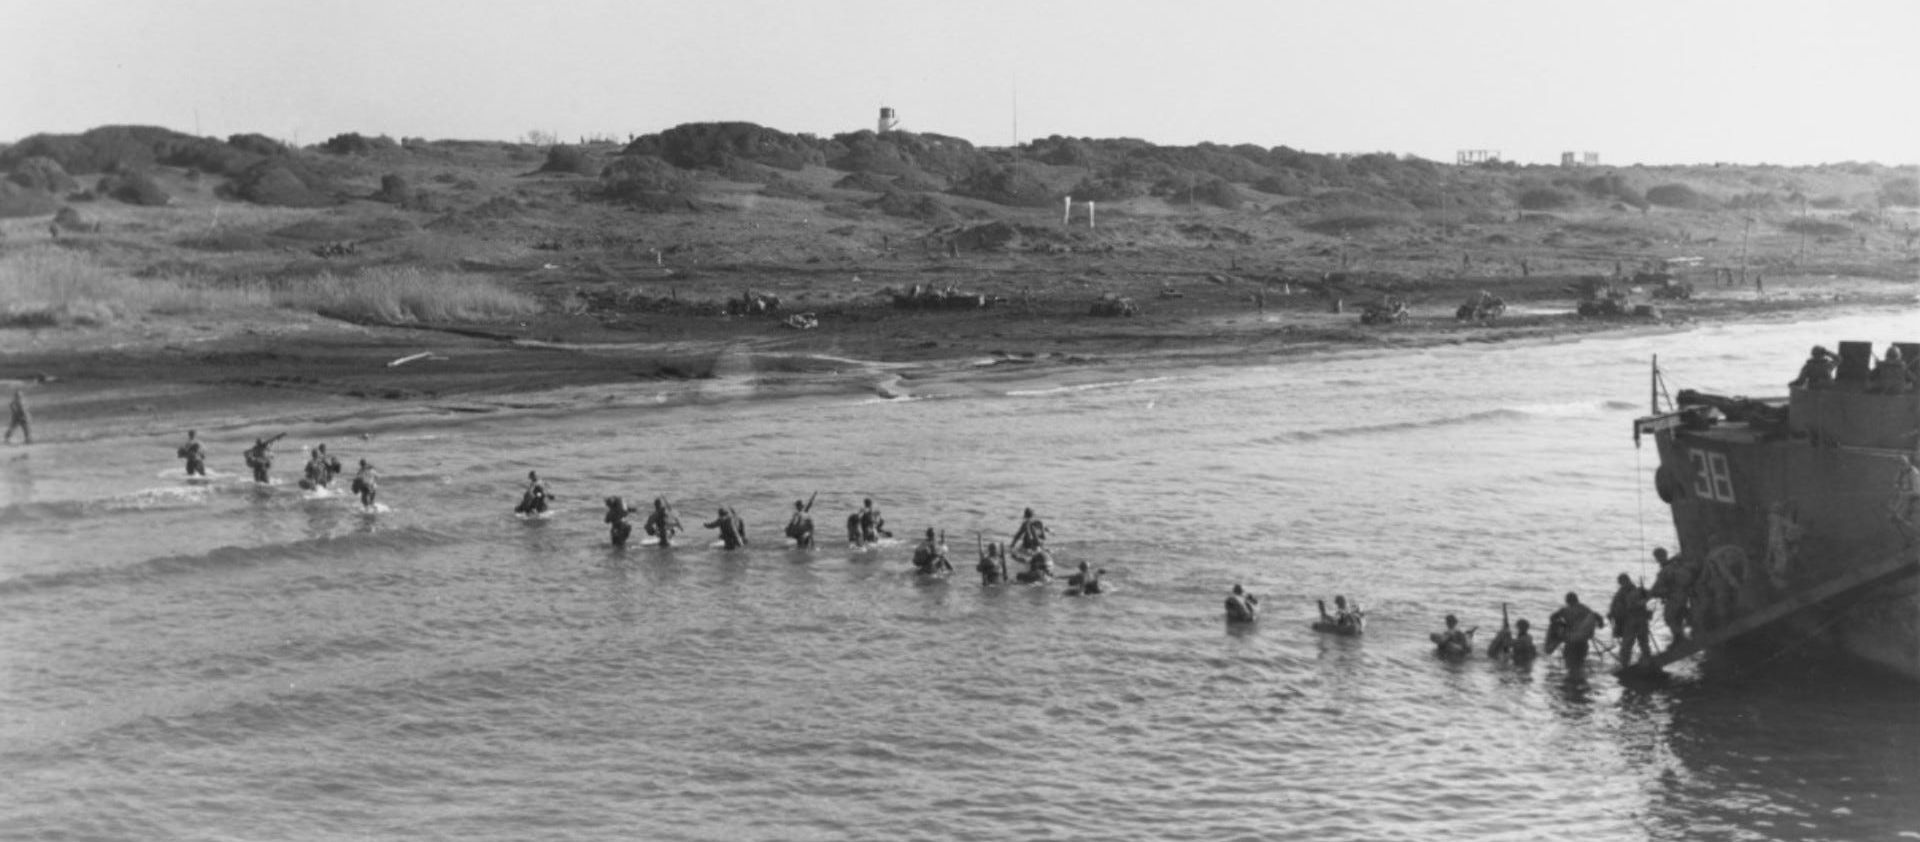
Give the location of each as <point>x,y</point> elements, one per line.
<point>1638,81</point>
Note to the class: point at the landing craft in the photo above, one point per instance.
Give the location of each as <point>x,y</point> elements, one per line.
<point>1801,514</point>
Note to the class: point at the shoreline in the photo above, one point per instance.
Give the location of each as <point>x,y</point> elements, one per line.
<point>163,375</point>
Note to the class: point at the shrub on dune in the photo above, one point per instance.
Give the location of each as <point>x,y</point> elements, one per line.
<point>1545,198</point>
<point>42,173</point>
<point>573,160</point>
<point>1900,192</point>
<point>645,181</point>
<point>283,182</point>
<point>1006,185</point>
<point>1817,227</point>
<point>258,144</point>
<point>1678,196</point>
<point>133,187</point>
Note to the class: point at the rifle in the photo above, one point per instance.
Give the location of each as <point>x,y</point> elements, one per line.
<point>809,507</point>
<point>258,452</point>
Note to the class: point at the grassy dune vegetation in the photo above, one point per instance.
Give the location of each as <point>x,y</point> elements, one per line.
<point>48,286</point>
<point>405,294</point>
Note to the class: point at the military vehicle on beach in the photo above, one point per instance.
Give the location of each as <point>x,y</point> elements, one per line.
<point>1480,308</point>
<point>1387,310</point>
<point>1603,298</point>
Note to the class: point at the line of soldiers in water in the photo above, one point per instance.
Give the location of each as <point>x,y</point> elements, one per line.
<point>865,528</point>
<point>1570,629</point>
<point>319,472</point>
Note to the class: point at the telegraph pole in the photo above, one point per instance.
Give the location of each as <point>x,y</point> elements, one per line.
<point>1745,233</point>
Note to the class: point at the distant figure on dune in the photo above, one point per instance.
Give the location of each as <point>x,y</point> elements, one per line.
<point>20,420</point>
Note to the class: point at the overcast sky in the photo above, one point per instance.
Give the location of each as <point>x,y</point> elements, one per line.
<point>1650,81</point>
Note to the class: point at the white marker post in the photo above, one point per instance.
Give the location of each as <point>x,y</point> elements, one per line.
<point>1090,222</point>
<point>1066,213</point>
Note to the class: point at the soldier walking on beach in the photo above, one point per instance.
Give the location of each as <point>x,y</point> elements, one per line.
<point>20,420</point>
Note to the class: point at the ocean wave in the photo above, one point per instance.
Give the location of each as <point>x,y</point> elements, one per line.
<point>146,499</point>
<point>229,558</point>
<point>1568,409</point>
<point>1085,387</point>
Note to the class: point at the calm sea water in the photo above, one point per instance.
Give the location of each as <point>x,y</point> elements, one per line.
<point>224,661</point>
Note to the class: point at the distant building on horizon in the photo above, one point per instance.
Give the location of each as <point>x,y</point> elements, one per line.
<point>1584,159</point>
<point>888,121</point>
<point>1477,156</point>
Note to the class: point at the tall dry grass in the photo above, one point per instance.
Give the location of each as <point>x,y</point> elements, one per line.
<point>404,294</point>
<point>48,286</point>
